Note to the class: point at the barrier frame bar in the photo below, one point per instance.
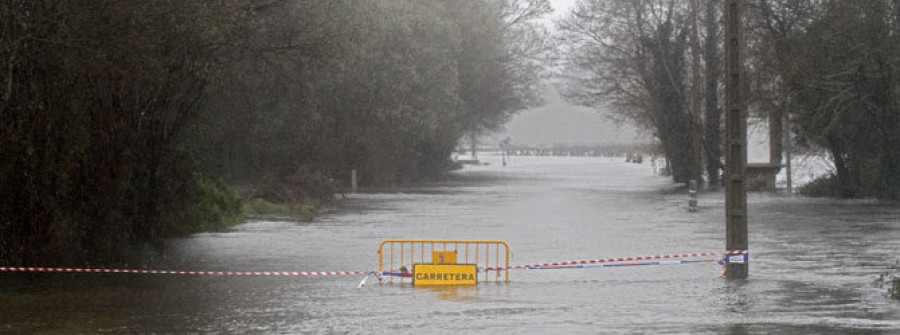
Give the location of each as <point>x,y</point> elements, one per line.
<point>455,244</point>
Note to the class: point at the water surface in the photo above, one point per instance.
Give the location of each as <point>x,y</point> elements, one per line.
<point>812,271</point>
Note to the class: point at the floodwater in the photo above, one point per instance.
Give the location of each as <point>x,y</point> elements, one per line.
<point>813,266</point>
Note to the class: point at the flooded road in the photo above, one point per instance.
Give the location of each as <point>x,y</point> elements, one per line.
<point>813,264</point>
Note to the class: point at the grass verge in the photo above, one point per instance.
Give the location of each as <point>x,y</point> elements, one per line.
<point>257,206</point>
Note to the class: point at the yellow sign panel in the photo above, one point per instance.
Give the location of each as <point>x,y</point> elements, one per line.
<point>443,257</point>
<point>444,274</point>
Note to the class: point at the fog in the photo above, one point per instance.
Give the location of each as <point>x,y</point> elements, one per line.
<point>252,142</point>
<point>559,122</point>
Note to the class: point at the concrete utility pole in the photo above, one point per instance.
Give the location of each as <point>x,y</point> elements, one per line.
<point>735,142</point>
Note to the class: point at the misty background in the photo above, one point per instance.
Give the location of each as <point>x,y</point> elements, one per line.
<point>128,123</point>
<point>559,122</point>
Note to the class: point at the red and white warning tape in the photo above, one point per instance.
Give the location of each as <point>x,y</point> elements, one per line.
<point>733,256</point>
<point>668,259</point>
<point>618,260</point>
<point>189,273</point>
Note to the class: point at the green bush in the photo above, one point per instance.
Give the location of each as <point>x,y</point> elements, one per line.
<point>304,186</point>
<point>209,205</point>
<point>825,186</point>
<point>260,206</point>
<point>894,291</point>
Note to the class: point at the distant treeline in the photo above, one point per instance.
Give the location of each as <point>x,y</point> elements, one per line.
<point>127,121</point>
<point>588,150</point>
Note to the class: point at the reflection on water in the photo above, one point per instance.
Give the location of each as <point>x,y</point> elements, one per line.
<point>813,262</point>
<point>452,293</point>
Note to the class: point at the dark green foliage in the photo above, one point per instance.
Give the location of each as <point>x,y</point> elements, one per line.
<point>95,95</point>
<point>257,206</point>
<point>205,204</point>
<point>825,186</point>
<point>120,118</point>
<point>305,186</point>
<point>893,292</point>
<point>845,86</point>
<point>389,94</point>
<point>831,66</point>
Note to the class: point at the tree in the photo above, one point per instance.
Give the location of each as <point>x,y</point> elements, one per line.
<point>843,80</point>
<point>629,55</point>
<point>500,57</point>
<point>96,97</point>
<point>770,51</point>
<point>120,116</point>
<point>366,86</point>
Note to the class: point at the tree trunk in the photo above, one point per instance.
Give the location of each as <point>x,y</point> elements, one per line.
<point>713,117</point>
<point>695,115</point>
<point>846,187</point>
<point>776,131</point>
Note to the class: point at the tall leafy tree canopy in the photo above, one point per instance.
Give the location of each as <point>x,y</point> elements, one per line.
<point>122,121</point>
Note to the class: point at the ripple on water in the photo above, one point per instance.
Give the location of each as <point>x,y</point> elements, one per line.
<point>812,264</point>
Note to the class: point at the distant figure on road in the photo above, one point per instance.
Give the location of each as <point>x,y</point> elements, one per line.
<point>504,148</point>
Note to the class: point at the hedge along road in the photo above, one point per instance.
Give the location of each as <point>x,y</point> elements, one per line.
<point>813,264</point>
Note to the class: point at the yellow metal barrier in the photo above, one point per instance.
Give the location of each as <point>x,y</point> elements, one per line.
<point>403,255</point>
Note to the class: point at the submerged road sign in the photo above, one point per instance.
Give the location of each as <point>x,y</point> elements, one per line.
<point>444,274</point>
<point>456,261</point>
